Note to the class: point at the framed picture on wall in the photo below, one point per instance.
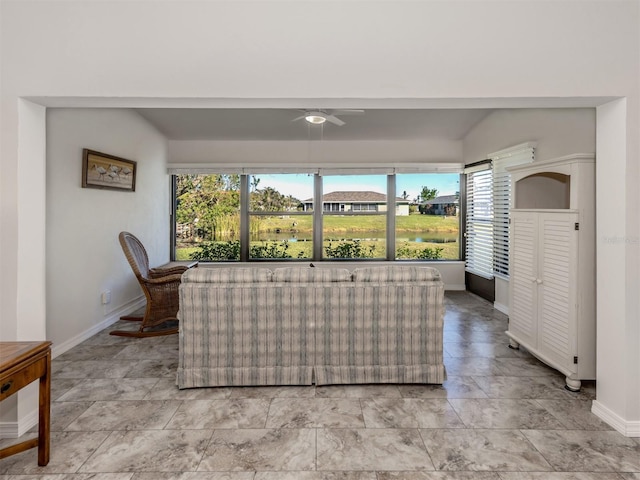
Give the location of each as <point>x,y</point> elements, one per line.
<point>101,170</point>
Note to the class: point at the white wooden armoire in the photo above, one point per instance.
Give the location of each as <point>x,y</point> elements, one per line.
<point>552,281</point>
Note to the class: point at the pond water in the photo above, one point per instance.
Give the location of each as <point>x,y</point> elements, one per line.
<point>429,237</point>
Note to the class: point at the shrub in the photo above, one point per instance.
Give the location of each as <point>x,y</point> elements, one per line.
<point>427,253</point>
<point>353,249</point>
<point>216,251</point>
<point>271,249</point>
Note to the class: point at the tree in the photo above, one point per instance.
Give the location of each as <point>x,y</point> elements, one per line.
<point>427,193</point>
<point>208,204</point>
<point>405,195</point>
<point>267,199</point>
<point>292,203</point>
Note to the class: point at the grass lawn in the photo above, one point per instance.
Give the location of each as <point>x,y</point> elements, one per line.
<point>363,223</point>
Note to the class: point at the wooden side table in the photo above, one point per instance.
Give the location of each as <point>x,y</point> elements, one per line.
<point>20,364</point>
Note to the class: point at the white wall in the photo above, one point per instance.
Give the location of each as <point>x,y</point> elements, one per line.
<point>315,154</point>
<point>617,241</point>
<point>83,256</point>
<point>557,132</point>
<point>475,53</point>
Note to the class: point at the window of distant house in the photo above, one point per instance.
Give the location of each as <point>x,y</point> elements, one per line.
<point>253,217</point>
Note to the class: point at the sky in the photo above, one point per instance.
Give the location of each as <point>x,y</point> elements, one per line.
<point>300,186</point>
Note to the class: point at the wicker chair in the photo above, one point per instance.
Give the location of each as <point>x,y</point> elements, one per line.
<point>160,286</point>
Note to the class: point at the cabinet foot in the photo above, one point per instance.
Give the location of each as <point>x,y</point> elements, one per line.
<point>513,344</point>
<point>572,385</point>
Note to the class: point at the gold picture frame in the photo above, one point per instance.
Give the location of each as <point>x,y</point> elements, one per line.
<point>101,170</point>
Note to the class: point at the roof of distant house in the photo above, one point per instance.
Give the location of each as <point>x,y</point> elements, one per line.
<point>356,197</point>
<point>442,199</point>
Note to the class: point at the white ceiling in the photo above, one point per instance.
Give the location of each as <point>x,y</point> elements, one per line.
<point>266,124</point>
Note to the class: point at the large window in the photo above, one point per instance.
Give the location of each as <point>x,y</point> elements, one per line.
<point>358,229</point>
<point>427,222</point>
<point>207,216</point>
<point>279,225</point>
<point>253,217</point>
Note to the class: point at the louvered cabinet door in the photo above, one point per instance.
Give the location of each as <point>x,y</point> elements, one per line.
<point>557,327</point>
<point>523,321</point>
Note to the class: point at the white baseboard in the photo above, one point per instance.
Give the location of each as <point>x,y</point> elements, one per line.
<point>625,427</point>
<point>17,429</point>
<point>112,318</point>
<point>501,308</point>
<point>9,429</point>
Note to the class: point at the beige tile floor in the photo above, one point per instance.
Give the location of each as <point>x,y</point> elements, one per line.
<point>501,415</point>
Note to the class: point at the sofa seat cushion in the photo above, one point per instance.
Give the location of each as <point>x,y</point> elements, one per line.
<point>395,273</point>
<point>227,275</point>
<point>311,275</point>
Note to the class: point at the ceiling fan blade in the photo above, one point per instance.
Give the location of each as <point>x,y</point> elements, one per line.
<point>348,112</point>
<point>299,118</point>
<point>335,120</point>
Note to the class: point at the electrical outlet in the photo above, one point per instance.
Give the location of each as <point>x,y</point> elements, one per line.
<point>106,297</point>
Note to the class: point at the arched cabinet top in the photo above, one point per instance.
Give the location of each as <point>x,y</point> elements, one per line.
<point>561,183</point>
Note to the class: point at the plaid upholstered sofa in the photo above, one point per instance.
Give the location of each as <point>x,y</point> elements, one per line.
<point>302,325</point>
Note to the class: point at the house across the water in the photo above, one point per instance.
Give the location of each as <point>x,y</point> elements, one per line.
<point>357,202</point>
<point>442,205</point>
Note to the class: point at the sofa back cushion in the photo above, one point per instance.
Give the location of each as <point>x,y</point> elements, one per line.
<point>395,273</point>
<point>227,275</point>
<point>311,275</point>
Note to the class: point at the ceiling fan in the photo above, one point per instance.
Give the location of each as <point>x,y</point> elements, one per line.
<point>318,117</point>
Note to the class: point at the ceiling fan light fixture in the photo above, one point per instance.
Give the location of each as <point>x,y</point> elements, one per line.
<point>316,118</point>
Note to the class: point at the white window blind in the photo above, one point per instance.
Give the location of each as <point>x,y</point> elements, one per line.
<point>479,234</point>
<point>502,202</point>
